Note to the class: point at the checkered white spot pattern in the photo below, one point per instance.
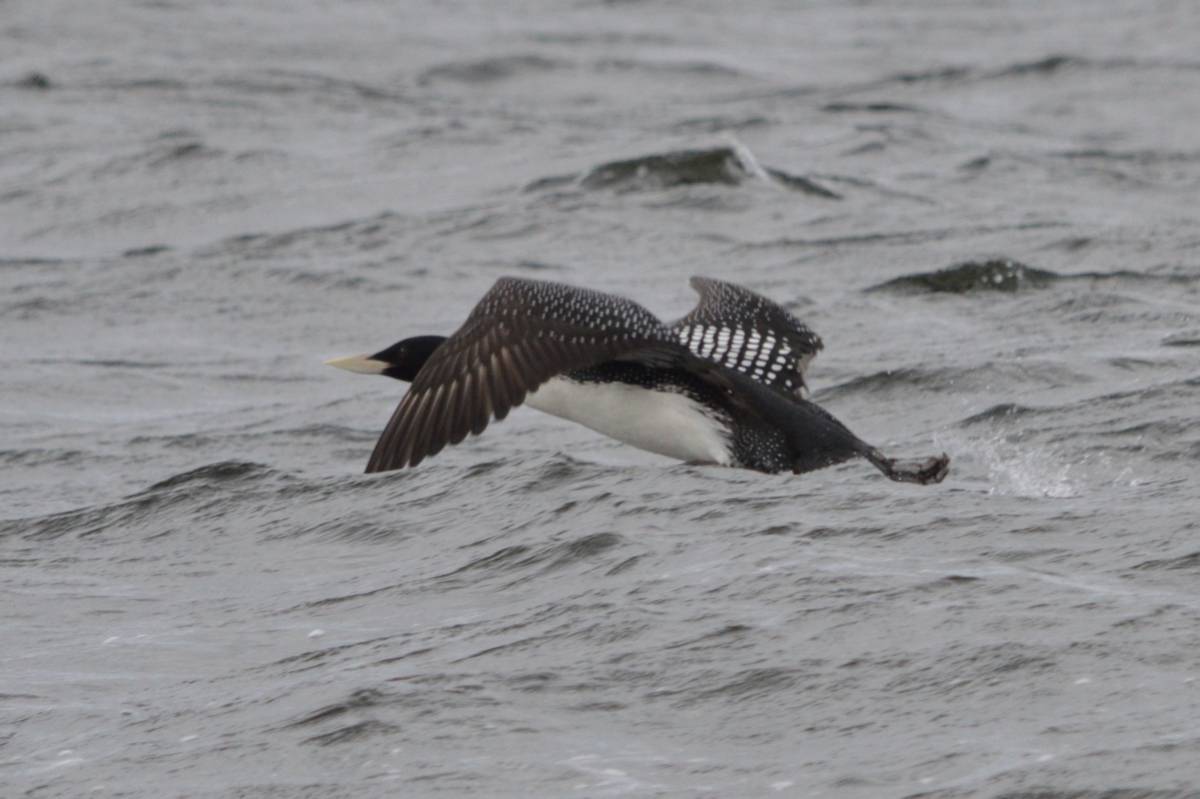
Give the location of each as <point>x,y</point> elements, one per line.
<point>746,332</point>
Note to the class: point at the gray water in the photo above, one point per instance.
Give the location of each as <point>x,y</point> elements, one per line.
<point>988,210</point>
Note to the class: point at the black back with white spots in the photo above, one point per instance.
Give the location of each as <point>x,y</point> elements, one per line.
<point>595,313</point>
<point>748,333</point>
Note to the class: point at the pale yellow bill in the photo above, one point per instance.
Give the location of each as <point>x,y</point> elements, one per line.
<point>363,364</point>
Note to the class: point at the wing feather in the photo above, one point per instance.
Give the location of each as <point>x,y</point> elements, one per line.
<point>748,333</point>
<point>519,335</point>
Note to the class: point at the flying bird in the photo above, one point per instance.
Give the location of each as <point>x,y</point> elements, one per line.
<point>724,385</point>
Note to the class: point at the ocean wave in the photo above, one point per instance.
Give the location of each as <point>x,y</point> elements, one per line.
<point>220,472</point>
<point>1007,275</point>
<point>159,156</point>
<point>1142,157</point>
<point>38,456</point>
<point>719,123</point>
<point>1005,411</point>
<point>871,107</point>
<point>357,731</point>
<point>1189,562</point>
<point>353,235</point>
<point>267,82</point>
<point>358,700</point>
<point>1047,66</point>
<point>291,81</point>
<point>35,81</point>
<point>552,557</point>
<point>701,69</point>
<point>886,237</point>
<point>725,165</point>
<point>1024,373</point>
<point>1184,338</point>
<point>491,70</point>
<point>998,274</point>
<point>1077,793</point>
<point>143,510</point>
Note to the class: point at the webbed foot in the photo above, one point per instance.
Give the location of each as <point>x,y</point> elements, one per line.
<point>924,471</point>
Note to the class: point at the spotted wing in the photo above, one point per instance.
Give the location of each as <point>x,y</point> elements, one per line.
<point>522,333</point>
<point>748,333</point>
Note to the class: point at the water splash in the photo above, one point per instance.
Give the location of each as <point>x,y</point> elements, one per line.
<point>1019,469</point>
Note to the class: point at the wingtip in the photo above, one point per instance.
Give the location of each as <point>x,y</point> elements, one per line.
<point>377,466</point>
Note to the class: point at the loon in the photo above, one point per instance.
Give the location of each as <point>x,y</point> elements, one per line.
<point>724,385</point>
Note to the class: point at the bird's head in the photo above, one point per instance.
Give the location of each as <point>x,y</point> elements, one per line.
<point>402,360</point>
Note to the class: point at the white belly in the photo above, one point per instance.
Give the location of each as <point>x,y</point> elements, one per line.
<point>658,421</point>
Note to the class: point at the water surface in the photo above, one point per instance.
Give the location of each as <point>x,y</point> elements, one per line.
<point>987,210</point>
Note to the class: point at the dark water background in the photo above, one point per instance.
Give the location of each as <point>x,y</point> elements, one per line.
<point>202,596</point>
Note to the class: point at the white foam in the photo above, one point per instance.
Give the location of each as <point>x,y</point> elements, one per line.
<point>747,159</point>
<point>1013,468</point>
<point>605,778</point>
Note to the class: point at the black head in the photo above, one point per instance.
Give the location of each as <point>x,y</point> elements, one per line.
<point>405,358</point>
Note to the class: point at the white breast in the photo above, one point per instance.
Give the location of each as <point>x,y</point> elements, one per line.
<point>665,422</point>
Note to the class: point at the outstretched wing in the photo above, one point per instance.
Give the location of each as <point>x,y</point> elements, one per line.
<point>522,333</point>
<point>748,333</point>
